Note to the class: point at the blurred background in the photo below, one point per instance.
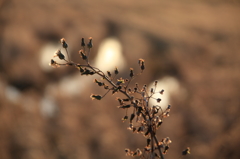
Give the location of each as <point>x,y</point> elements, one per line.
<point>190,47</point>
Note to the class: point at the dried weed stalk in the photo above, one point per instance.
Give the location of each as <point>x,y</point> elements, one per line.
<point>144,119</point>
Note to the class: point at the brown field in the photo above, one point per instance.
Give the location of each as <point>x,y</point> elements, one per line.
<point>196,42</point>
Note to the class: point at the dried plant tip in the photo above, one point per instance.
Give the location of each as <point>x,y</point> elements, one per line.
<point>82,43</point>
<point>87,72</point>
<point>152,91</point>
<point>132,117</point>
<point>167,114</point>
<point>156,155</point>
<point>129,90</point>
<point>130,126</point>
<point>81,69</point>
<point>187,151</point>
<point>155,83</point>
<point>140,129</point>
<point>138,152</point>
<point>98,97</point>
<point>131,72</point>
<point>167,141</point>
<point>120,81</point>
<point>135,89</point>
<point>148,142</point>
<point>142,66</point>
<point>147,149</point>
<point>147,133</point>
<point>54,64</point>
<point>124,118</point>
<point>120,101</point>
<point>158,100</point>
<point>161,92</point>
<point>109,73</point>
<point>116,71</point>
<point>124,106</point>
<point>139,109</point>
<point>169,106</point>
<point>99,83</point>
<point>159,123</point>
<point>106,86</point>
<point>90,45</point>
<point>140,61</point>
<point>134,129</point>
<point>128,152</point>
<point>64,44</point>
<point>59,54</point>
<point>84,57</point>
<point>166,149</point>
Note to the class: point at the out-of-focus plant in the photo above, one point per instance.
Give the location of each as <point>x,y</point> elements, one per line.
<point>142,117</point>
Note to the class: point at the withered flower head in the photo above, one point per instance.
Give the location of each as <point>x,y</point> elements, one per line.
<point>116,71</point>
<point>161,92</point>
<point>59,54</point>
<point>124,118</point>
<point>64,44</point>
<point>98,97</point>
<point>159,100</point>
<point>90,45</point>
<point>109,73</point>
<point>131,72</point>
<point>54,64</point>
<point>84,57</point>
<point>82,43</point>
<point>141,64</point>
<point>187,151</point>
<point>167,141</point>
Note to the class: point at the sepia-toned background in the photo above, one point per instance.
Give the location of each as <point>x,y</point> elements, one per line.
<point>190,47</point>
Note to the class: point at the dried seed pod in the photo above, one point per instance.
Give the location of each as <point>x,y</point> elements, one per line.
<point>186,151</point>
<point>166,149</point>
<point>116,71</point>
<point>90,45</point>
<point>132,117</point>
<point>155,83</point>
<point>120,81</point>
<point>167,141</point>
<point>125,118</point>
<point>99,83</point>
<point>131,72</point>
<point>148,142</point>
<point>109,73</point>
<point>84,56</point>
<point>59,54</point>
<point>120,101</point>
<point>64,44</point>
<point>128,152</point>
<point>54,64</point>
<point>161,92</point>
<point>98,97</point>
<point>82,43</point>
<point>141,64</point>
<point>81,69</point>
<point>169,106</point>
<point>105,86</point>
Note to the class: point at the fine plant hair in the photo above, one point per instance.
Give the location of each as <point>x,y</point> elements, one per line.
<point>142,117</point>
